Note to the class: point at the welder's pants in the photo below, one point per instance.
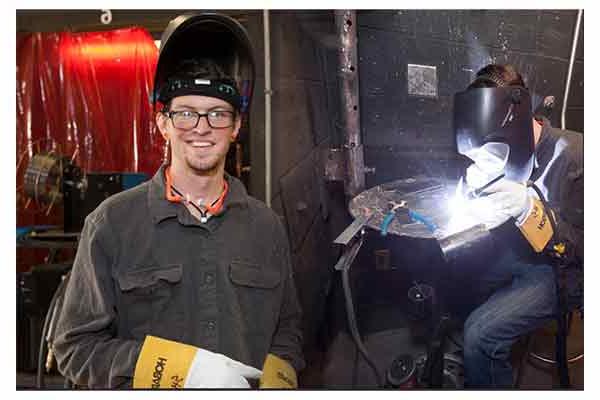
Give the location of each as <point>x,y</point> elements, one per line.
<point>523,298</point>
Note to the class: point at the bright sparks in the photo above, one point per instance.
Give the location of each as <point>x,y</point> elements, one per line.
<point>465,213</point>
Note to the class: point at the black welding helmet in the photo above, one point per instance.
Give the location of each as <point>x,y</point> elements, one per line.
<point>206,35</point>
<point>493,126</point>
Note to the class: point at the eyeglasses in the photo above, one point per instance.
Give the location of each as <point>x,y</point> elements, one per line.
<point>217,119</point>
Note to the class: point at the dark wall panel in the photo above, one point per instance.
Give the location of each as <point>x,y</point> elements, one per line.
<point>555,33</point>
<point>313,274</point>
<point>489,28</point>
<point>574,119</point>
<point>401,21</point>
<point>576,91</point>
<point>543,76</point>
<point>318,117</point>
<point>393,163</point>
<point>301,199</point>
<point>291,128</point>
<point>295,50</point>
<point>305,108</point>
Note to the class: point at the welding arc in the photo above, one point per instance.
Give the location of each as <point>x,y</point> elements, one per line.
<point>354,328</point>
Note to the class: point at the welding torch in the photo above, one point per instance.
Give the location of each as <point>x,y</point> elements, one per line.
<point>473,194</point>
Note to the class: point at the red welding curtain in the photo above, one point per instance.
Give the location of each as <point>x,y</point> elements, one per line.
<point>86,95</point>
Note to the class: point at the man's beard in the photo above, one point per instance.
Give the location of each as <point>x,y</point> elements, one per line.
<point>206,165</point>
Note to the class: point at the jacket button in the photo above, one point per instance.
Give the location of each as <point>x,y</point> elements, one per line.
<point>209,278</point>
<point>210,327</point>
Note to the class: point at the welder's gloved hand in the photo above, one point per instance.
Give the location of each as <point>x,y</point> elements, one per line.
<point>499,202</point>
<point>213,370</point>
<point>165,364</point>
<point>509,199</point>
<point>505,199</point>
<point>476,177</point>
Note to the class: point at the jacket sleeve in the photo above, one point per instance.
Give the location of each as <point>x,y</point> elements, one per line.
<point>86,347</point>
<point>287,340</point>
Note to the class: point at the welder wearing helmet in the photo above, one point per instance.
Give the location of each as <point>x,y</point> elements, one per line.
<point>185,281</point>
<point>495,128</point>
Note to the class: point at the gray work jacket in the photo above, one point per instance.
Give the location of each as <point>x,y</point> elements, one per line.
<point>559,176</point>
<point>146,266</point>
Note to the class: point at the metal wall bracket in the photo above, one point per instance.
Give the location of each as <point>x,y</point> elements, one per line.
<point>336,163</point>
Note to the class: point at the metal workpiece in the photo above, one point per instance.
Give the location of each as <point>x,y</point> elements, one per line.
<point>465,243</point>
<point>352,230</point>
<point>349,98</point>
<point>422,211</point>
<point>425,197</point>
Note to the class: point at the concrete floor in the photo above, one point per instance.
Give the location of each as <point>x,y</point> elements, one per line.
<point>537,375</point>
<point>323,370</point>
<point>335,370</point>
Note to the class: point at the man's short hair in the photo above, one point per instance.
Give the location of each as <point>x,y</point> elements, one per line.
<point>497,75</point>
<point>203,68</point>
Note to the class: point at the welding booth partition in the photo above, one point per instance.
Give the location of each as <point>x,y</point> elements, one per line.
<point>85,96</point>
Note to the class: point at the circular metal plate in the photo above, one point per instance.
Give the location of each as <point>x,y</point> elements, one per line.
<point>426,196</point>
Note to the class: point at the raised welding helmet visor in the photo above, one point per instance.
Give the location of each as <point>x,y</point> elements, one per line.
<point>214,36</point>
<point>495,123</point>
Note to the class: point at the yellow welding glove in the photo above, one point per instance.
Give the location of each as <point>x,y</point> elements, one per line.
<point>278,374</point>
<point>165,364</point>
<point>535,225</point>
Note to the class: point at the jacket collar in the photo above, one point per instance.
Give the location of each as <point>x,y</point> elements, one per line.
<point>161,208</point>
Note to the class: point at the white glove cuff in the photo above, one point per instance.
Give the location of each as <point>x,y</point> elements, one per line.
<point>528,207</point>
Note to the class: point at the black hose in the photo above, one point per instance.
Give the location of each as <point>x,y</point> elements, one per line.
<point>353,327</point>
<point>561,337</point>
<point>456,343</point>
<point>42,349</point>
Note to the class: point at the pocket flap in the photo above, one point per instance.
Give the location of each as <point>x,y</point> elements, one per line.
<point>253,275</point>
<point>148,276</point>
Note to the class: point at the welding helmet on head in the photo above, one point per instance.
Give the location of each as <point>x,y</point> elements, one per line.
<point>206,35</point>
<point>493,127</point>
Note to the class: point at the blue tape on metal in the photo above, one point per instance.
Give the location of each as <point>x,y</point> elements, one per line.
<point>386,223</point>
<point>415,216</point>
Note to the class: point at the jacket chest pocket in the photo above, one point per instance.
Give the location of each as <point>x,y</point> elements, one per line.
<point>152,301</point>
<point>257,294</point>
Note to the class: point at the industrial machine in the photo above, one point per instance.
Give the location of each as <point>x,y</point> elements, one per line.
<point>54,180</point>
<point>419,208</point>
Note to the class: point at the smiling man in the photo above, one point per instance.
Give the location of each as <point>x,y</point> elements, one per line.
<point>184,281</point>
